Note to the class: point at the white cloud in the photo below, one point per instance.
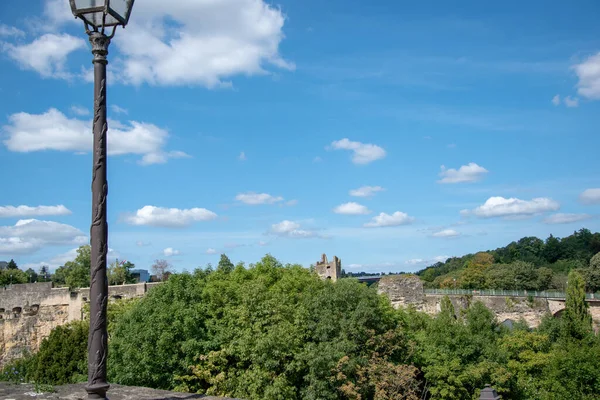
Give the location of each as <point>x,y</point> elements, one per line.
<point>446,233</point>
<point>556,100</point>
<point>291,229</point>
<point>366,191</point>
<point>60,260</point>
<point>363,153</point>
<point>169,252</point>
<point>140,243</point>
<point>351,208</point>
<point>27,211</point>
<point>263,243</point>
<point>292,202</point>
<point>418,261</point>
<point>571,102</point>
<point>317,159</point>
<point>588,73</point>
<point>252,198</point>
<point>10,31</point>
<point>513,207</point>
<point>47,55</point>
<point>201,42</point>
<point>561,218</point>
<point>211,251</point>
<point>383,220</point>
<point>29,235</point>
<point>53,130</point>
<point>118,110</point>
<point>466,173</point>
<point>242,156</point>
<point>169,217</point>
<point>81,111</point>
<point>590,196</point>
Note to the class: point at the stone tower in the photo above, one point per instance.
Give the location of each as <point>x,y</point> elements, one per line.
<point>329,270</point>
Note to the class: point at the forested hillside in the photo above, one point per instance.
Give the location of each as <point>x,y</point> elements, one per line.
<point>527,264</point>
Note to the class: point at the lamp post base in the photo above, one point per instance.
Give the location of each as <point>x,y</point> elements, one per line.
<point>97,392</point>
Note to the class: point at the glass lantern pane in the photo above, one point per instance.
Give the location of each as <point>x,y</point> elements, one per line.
<point>95,19</point>
<point>120,7</point>
<point>83,4</point>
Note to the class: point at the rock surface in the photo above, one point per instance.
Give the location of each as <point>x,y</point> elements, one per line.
<point>77,392</point>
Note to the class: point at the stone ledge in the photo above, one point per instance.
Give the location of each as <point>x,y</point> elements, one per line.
<point>77,392</point>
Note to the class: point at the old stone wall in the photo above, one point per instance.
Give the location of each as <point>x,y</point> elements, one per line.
<point>28,312</point>
<point>407,290</point>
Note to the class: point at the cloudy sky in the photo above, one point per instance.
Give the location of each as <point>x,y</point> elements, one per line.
<point>390,135</point>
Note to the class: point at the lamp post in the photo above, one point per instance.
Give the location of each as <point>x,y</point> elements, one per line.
<point>97,15</point>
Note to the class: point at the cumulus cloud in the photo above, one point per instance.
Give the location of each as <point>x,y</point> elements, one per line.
<point>466,173</point>
<point>588,73</point>
<point>513,207</point>
<point>81,111</point>
<point>60,259</point>
<point>590,196</point>
<point>46,55</point>
<point>201,43</point>
<point>571,102</point>
<point>418,261</point>
<point>292,202</point>
<point>252,198</point>
<point>556,100</point>
<point>169,252</point>
<point>362,153</point>
<point>28,211</point>
<point>169,217</point>
<point>210,250</point>
<point>351,208</point>
<point>366,191</point>
<point>30,235</point>
<point>118,110</point>
<point>446,233</point>
<point>383,220</point>
<point>10,31</point>
<point>561,218</point>
<point>53,130</point>
<point>291,229</point>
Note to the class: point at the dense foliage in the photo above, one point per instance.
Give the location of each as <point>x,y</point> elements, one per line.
<point>279,332</point>
<point>527,264</point>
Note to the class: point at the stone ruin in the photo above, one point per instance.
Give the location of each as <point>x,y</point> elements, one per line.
<point>329,270</point>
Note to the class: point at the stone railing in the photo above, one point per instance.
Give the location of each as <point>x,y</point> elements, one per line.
<point>506,293</point>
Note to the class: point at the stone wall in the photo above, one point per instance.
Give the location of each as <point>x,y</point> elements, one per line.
<point>407,290</point>
<point>28,312</point>
<point>329,270</point>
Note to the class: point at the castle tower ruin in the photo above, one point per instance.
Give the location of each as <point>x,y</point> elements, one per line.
<point>329,270</point>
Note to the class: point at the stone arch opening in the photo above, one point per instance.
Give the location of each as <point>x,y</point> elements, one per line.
<point>116,297</point>
<point>17,311</point>
<point>2,310</point>
<point>559,313</point>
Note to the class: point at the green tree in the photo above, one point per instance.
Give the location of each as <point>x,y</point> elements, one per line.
<point>552,250</point>
<point>577,321</point>
<point>32,276</point>
<point>12,276</point>
<point>12,264</point>
<point>225,264</point>
<point>62,357</point>
<point>77,272</point>
<point>120,273</point>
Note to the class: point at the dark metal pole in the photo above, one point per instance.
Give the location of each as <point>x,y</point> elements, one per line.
<point>97,385</point>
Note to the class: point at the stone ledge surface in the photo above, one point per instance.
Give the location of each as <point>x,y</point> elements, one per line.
<point>77,392</point>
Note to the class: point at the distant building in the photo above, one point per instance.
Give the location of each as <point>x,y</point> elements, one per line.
<point>329,270</point>
<point>140,275</point>
<point>3,265</point>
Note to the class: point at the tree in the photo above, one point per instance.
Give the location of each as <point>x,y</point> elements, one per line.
<point>44,273</point>
<point>225,264</point>
<point>552,250</point>
<point>160,268</point>
<point>577,321</point>
<point>12,264</point>
<point>76,273</point>
<point>31,275</point>
<point>12,277</point>
<point>120,273</point>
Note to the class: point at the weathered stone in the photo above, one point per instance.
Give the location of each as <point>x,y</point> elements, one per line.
<point>402,290</point>
<point>329,270</point>
<point>77,392</point>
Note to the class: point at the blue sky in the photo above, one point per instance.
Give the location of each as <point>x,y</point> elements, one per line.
<point>388,134</point>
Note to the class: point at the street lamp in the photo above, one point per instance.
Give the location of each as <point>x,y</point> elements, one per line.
<point>97,15</point>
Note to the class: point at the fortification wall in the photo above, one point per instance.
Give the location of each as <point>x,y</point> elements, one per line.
<point>407,291</point>
<point>29,312</point>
